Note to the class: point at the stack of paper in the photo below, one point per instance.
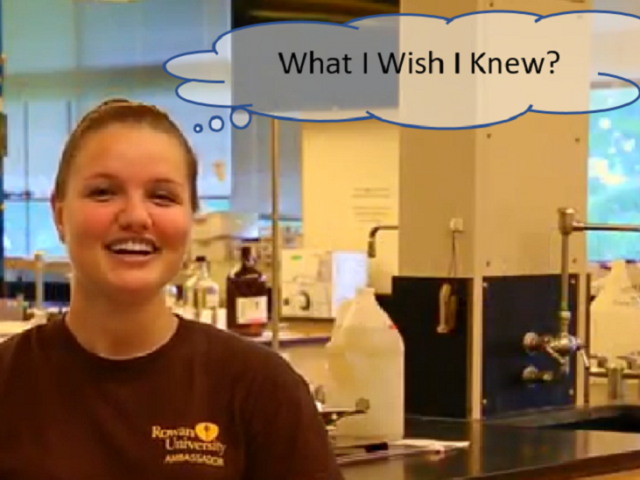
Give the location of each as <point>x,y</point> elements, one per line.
<point>404,448</point>
<point>431,445</point>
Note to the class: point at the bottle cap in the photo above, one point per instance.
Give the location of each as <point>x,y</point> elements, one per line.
<point>366,291</point>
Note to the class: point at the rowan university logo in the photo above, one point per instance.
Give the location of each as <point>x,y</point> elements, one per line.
<point>197,444</point>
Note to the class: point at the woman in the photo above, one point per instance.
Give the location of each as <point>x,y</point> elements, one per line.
<point>122,388</point>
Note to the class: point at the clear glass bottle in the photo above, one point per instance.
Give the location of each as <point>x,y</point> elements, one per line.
<point>188,292</point>
<point>247,297</point>
<point>206,294</point>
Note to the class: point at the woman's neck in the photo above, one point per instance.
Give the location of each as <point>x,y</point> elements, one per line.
<point>119,330</point>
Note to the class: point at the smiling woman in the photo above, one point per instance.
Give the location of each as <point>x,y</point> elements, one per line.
<point>112,371</point>
<point>127,179</point>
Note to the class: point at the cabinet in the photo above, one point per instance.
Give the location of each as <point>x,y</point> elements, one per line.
<point>45,36</point>
<point>146,33</point>
<point>37,132</point>
<point>38,36</point>
<point>48,125</point>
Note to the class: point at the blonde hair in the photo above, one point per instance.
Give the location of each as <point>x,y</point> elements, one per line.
<point>123,111</point>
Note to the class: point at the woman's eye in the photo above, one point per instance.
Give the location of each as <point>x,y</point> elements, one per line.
<point>164,197</point>
<point>100,193</point>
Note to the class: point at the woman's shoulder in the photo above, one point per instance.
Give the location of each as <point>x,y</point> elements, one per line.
<point>194,337</point>
<point>251,369</point>
<point>217,353</point>
<point>22,340</point>
<point>20,348</point>
<point>236,352</point>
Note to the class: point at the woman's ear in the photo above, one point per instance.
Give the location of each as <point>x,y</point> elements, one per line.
<point>57,208</point>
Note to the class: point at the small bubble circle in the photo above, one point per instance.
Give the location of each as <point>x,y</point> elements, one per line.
<point>240,118</point>
<point>198,128</point>
<point>216,124</point>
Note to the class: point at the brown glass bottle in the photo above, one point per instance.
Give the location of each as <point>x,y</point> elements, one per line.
<point>247,297</point>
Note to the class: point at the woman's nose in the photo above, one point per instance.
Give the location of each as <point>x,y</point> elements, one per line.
<point>134,215</point>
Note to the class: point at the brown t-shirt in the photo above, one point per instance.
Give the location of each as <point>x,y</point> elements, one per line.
<point>208,405</point>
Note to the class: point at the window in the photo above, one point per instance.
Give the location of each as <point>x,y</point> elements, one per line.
<point>37,132</point>
<point>29,228</point>
<point>215,205</point>
<point>614,174</point>
<point>40,120</point>
<point>16,225</point>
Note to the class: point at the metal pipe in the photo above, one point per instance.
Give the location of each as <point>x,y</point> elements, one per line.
<point>603,227</point>
<point>567,224</point>
<point>371,243</point>
<point>275,235</point>
<point>38,280</point>
<point>564,273</point>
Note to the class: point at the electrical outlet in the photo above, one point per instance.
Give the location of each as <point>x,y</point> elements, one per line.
<point>456,225</point>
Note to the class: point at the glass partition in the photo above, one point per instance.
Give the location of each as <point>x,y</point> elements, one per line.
<point>94,51</point>
<point>614,173</point>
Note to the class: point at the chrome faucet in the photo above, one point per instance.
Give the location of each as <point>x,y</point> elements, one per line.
<point>561,347</point>
<point>532,375</point>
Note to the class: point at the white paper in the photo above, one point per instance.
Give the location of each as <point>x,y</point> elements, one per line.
<point>431,445</point>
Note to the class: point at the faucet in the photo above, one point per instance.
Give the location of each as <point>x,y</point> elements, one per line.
<point>561,346</point>
<point>371,244</point>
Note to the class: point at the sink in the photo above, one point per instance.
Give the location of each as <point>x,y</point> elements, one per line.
<point>611,418</point>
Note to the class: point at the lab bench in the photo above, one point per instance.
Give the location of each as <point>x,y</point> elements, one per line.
<point>506,451</point>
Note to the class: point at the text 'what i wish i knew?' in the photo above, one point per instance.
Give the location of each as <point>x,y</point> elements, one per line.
<point>309,63</point>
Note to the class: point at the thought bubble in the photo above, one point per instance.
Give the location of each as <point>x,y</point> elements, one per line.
<point>417,71</point>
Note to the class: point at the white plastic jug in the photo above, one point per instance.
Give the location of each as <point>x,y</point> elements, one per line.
<point>365,359</point>
<point>338,370</point>
<point>615,315</point>
<point>343,310</point>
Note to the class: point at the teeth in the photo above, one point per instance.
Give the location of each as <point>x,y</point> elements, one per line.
<point>132,246</point>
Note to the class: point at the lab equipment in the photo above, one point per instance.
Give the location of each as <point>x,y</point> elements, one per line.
<point>316,282</point>
<point>204,293</point>
<point>218,236</point>
<point>615,314</point>
<point>365,360</point>
<point>247,297</point>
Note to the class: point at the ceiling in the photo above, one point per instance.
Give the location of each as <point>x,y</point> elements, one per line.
<point>612,23</point>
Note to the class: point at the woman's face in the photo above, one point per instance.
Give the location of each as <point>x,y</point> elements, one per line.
<point>126,216</point>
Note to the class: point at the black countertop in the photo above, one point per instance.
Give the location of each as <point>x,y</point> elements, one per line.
<point>507,451</point>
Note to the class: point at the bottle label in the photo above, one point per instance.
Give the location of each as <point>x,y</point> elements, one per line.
<point>252,310</point>
<point>207,298</point>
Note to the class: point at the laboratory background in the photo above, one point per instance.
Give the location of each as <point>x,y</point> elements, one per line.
<point>463,304</point>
